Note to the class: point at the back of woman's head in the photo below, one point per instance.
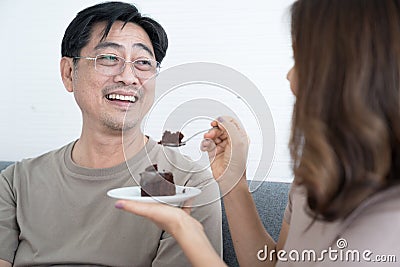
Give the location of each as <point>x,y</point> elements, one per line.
<point>346,122</point>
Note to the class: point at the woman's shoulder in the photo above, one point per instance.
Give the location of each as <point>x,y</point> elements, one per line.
<point>384,204</point>
<point>374,224</point>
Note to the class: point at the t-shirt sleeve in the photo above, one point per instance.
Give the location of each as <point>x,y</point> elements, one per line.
<point>206,208</point>
<point>288,210</point>
<point>8,224</point>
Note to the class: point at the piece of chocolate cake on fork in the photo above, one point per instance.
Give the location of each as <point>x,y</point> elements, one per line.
<point>171,138</point>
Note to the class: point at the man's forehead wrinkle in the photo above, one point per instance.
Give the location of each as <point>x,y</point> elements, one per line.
<point>142,41</point>
<point>107,44</point>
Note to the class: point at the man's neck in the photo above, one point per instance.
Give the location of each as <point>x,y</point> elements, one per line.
<point>105,151</point>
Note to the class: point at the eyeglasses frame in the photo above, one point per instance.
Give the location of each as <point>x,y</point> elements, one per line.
<point>158,64</point>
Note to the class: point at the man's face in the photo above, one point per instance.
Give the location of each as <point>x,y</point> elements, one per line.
<point>104,100</point>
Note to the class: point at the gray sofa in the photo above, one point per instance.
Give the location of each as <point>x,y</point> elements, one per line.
<point>270,199</point>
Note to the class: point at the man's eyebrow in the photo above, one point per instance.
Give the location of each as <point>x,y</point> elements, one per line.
<point>118,46</point>
<point>106,45</point>
<point>144,47</point>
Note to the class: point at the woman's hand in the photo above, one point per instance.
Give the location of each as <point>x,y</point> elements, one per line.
<point>171,219</point>
<point>227,145</point>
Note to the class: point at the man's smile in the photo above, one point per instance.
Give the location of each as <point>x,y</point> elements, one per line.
<point>120,97</point>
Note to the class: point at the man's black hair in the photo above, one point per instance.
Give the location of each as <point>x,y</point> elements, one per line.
<point>78,33</point>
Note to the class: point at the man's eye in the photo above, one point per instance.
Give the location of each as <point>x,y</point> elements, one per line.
<point>144,62</point>
<point>108,60</point>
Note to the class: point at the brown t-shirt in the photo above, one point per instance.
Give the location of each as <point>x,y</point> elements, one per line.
<point>369,236</point>
<point>53,212</point>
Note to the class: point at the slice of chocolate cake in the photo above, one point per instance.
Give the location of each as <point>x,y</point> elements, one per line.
<point>155,183</point>
<point>171,138</point>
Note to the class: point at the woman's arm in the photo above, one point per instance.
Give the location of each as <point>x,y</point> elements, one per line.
<point>247,231</point>
<point>228,156</point>
<point>4,263</point>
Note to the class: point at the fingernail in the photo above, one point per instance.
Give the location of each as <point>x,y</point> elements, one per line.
<point>220,119</point>
<point>119,205</point>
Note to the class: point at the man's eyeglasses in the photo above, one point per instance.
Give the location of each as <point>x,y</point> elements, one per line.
<point>111,65</point>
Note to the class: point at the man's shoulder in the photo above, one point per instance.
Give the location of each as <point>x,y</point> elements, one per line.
<point>42,162</point>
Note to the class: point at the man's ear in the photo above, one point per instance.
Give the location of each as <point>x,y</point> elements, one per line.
<point>66,69</point>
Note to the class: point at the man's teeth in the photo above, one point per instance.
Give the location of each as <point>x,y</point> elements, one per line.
<point>129,98</point>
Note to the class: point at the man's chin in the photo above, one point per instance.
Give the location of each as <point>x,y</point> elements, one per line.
<point>121,126</point>
<point>129,126</point>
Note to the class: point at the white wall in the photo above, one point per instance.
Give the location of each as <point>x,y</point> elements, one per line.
<point>38,114</point>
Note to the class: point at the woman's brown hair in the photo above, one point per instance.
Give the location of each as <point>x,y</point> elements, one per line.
<point>345,141</point>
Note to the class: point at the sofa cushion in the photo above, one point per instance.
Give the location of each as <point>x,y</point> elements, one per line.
<point>4,164</point>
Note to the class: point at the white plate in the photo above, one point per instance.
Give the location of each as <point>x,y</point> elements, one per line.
<point>133,193</point>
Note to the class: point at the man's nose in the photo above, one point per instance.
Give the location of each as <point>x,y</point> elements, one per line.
<point>127,76</point>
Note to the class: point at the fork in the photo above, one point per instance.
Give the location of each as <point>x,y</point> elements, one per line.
<point>182,143</point>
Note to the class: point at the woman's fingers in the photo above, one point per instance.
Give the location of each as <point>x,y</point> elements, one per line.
<point>226,128</point>
<point>227,146</point>
<point>207,145</point>
<point>164,216</point>
<point>232,129</point>
<point>214,132</point>
<point>142,209</point>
